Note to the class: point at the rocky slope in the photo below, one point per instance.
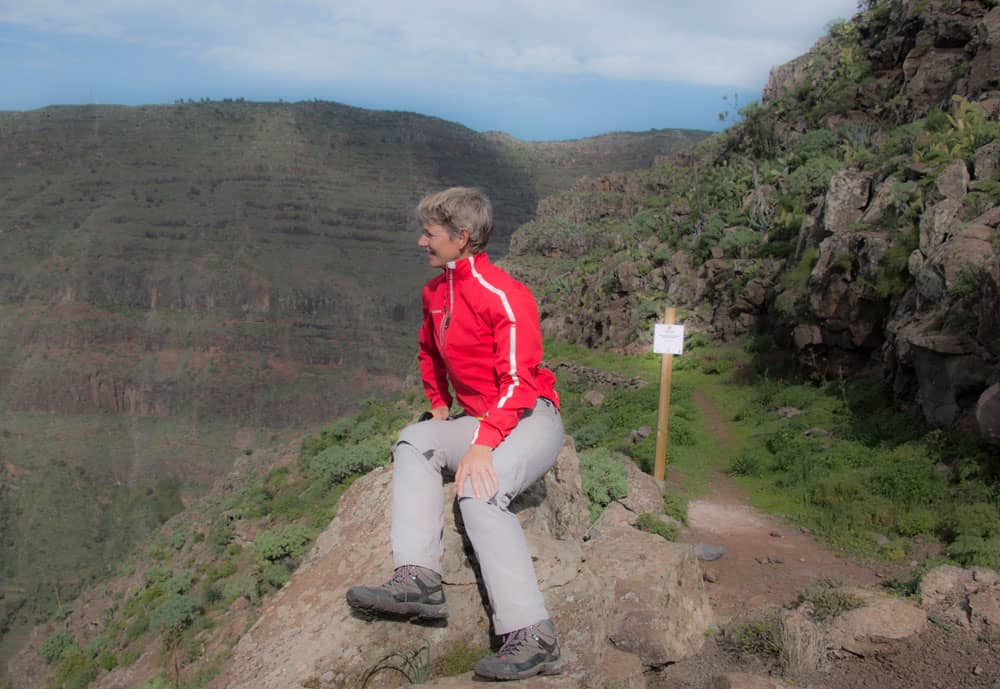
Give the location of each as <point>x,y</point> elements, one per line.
<point>850,219</point>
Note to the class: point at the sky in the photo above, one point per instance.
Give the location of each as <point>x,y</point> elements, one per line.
<point>536,69</point>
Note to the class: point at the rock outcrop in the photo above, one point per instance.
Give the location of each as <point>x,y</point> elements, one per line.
<point>623,600</point>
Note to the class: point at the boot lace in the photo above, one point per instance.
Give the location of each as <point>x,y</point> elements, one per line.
<point>514,641</point>
<point>402,574</point>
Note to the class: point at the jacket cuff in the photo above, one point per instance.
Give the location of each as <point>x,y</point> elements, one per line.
<point>487,435</point>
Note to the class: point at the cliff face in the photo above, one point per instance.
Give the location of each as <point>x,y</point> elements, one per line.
<point>849,219</point>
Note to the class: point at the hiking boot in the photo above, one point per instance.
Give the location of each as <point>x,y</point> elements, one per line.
<point>414,592</point>
<point>527,652</point>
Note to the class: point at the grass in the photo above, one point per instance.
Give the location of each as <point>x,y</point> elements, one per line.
<point>827,600</point>
<point>843,461</point>
<point>760,636</point>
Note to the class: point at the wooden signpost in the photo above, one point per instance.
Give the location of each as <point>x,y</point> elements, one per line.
<point>668,339</point>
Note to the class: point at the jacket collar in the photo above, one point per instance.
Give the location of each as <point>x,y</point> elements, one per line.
<point>465,266</point>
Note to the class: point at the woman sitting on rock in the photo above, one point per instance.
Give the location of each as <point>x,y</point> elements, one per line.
<point>480,334</point>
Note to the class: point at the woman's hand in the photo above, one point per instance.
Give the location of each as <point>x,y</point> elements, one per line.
<point>477,466</point>
<point>439,413</point>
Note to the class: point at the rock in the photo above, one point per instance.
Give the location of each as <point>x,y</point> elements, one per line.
<point>937,223</point>
<point>986,160</point>
<point>948,369</point>
<point>931,76</point>
<point>863,630</point>
<point>639,434</point>
<point>634,588</point>
<point>846,200</point>
<point>966,597</point>
<point>953,182</point>
<point>659,610</point>
<point>645,493</point>
<point>884,200</point>
<point>593,398</point>
<point>950,262</point>
<point>988,413</point>
<point>709,553</point>
<point>807,335</point>
<point>985,65</point>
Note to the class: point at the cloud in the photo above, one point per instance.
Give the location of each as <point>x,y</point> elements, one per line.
<point>715,42</point>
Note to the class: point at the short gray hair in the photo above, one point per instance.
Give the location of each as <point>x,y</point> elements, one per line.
<point>457,209</point>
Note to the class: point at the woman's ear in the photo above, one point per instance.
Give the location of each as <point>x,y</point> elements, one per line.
<point>465,237</point>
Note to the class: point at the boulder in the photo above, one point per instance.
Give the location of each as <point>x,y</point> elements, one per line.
<point>937,224</point>
<point>953,182</point>
<point>624,601</point>
<point>846,200</point>
<point>881,620</point>
<point>986,161</point>
<point>948,262</point>
<point>848,313</point>
<point>985,65</point>
<point>884,200</point>
<point>948,368</point>
<point>965,597</point>
<point>988,413</point>
<point>931,76</point>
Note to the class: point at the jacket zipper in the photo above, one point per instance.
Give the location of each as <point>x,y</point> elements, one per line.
<point>448,306</point>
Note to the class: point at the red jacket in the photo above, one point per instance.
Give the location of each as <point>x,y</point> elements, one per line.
<point>481,333</point>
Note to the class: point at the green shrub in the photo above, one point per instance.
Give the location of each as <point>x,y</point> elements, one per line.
<point>76,670</point>
<point>96,645</point>
<point>747,463</point>
<point>107,661</point>
<point>973,534</point>
<point>156,575</point>
<point>919,520</point>
<point>158,682</point>
<point>816,142</point>
<point>275,575</point>
<point>136,629</point>
<point>57,644</point>
<point>289,540</point>
<point>716,366</point>
<point>338,462</point>
<point>755,636</point>
<point>591,434</point>
<point>177,611</point>
<point>129,657</point>
<point>221,534</point>
<point>827,600</point>
<point>180,582</point>
<point>178,539</point>
<point>241,586</point>
<point>675,506</point>
<point>604,478</point>
<point>813,176</point>
<point>652,523</point>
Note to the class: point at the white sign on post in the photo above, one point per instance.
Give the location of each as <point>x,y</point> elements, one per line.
<point>668,339</point>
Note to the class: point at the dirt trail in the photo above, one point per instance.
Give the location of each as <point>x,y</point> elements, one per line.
<point>766,561</point>
<point>769,563</point>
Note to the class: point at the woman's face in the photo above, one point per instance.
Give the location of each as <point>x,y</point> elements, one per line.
<point>440,246</point>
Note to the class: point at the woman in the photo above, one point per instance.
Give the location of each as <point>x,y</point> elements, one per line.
<point>480,334</point>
